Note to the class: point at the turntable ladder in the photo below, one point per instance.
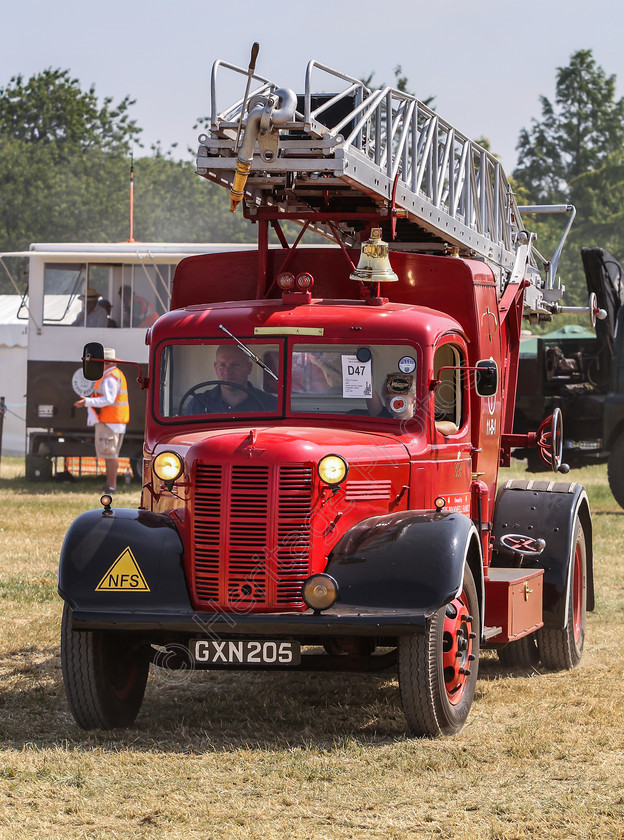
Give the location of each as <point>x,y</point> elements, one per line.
<point>340,158</point>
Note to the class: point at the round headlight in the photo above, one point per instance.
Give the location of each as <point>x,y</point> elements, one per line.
<point>320,592</point>
<point>332,469</point>
<point>167,466</point>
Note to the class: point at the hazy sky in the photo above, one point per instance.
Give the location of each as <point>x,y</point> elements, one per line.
<point>486,62</point>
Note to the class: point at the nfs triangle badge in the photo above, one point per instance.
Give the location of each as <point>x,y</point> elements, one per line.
<point>124,575</point>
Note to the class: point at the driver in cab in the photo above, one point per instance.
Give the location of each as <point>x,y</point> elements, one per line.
<point>235,392</point>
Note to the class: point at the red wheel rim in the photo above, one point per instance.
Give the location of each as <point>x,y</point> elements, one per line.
<point>577,593</point>
<point>457,648</point>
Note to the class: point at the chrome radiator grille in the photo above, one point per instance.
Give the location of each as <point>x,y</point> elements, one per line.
<point>251,535</point>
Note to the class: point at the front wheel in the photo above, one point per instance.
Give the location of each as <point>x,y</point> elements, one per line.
<point>438,668</point>
<point>104,673</point>
<point>561,648</point>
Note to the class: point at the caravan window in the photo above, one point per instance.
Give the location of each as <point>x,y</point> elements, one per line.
<point>144,294</point>
<point>105,295</point>
<point>62,284</point>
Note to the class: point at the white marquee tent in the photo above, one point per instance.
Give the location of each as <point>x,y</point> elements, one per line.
<point>13,353</point>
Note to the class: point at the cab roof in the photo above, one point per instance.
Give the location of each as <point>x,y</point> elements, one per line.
<point>322,319</point>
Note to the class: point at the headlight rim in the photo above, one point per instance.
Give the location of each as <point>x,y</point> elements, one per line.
<point>168,479</point>
<point>310,581</point>
<point>340,480</point>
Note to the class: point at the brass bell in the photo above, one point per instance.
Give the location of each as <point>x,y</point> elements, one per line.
<point>374,265</point>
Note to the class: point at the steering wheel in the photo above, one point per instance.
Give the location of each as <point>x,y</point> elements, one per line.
<point>192,391</point>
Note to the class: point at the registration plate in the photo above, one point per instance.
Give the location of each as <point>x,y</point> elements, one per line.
<point>245,652</point>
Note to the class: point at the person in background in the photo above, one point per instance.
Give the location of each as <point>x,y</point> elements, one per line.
<point>108,410</point>
<point>95,315</point>
<point>107,306</point>
<point>136,310</point>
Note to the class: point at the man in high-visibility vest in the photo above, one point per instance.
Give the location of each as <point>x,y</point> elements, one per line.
<point>109,412</point>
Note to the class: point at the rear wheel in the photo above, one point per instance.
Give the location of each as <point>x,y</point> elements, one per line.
<point>105,673</point>
<point>438,668</point>
<point>521,653</point>
<point>615,470</point>
<point>136,465</point>
<point>561,648</point>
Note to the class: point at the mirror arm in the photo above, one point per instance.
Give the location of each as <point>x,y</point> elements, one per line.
<point>433,384</point>
<point>142,380</point>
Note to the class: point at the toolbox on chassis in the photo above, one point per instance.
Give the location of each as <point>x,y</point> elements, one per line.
<point>323,437</point>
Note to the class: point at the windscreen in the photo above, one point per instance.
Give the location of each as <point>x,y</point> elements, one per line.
<point>373,379</point>
<point>202,379</point>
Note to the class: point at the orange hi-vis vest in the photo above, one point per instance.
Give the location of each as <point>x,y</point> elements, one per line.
<point>119,411</point>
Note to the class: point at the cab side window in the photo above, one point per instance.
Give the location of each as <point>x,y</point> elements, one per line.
<point>448,396</point>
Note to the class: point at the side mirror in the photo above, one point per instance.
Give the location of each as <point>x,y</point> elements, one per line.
<point>93,361</point>
<point>486,378</point>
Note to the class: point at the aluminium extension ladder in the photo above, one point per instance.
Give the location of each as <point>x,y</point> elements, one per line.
<point>362,150</point>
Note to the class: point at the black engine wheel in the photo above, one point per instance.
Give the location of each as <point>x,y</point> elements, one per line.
<point>104,673</point>
<point>438,668</point>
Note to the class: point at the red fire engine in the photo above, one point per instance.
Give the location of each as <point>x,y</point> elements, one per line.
<point>325,427</point>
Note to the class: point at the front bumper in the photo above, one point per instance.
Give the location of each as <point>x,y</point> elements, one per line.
<point>337,621</point>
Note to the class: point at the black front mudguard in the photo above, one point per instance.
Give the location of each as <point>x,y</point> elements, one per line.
<point>124,559</point>
<point>406,560</point>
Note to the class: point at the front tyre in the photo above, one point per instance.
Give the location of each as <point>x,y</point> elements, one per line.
<point>561,648</point>
<point>438,668</point>
<point>104,673</point>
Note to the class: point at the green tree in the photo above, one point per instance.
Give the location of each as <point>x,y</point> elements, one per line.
<point>600,194</point>
<point>64,174</point>
<point>576,133</point>
<point>173,204</point>
<point>52,110</point>
<point>573,155</point>
<point>62,161</point>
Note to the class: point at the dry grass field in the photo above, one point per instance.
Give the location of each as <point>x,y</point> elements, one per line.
<point>296,755</point>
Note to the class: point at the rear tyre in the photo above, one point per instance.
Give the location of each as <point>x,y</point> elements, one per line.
<point>561,648</point>
<point>104,673</point>
<point>521,653</point>
<point>615,470</point>
<point>438,668</point>
<point>136,465</point>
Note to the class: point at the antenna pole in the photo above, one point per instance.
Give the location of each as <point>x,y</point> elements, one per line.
<point>131,238</point>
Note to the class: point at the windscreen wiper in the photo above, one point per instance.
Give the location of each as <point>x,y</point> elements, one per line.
<point>251,355</point>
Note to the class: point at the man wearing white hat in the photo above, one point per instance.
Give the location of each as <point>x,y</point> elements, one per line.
<point>109,412</point>
<point>91,315</point>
